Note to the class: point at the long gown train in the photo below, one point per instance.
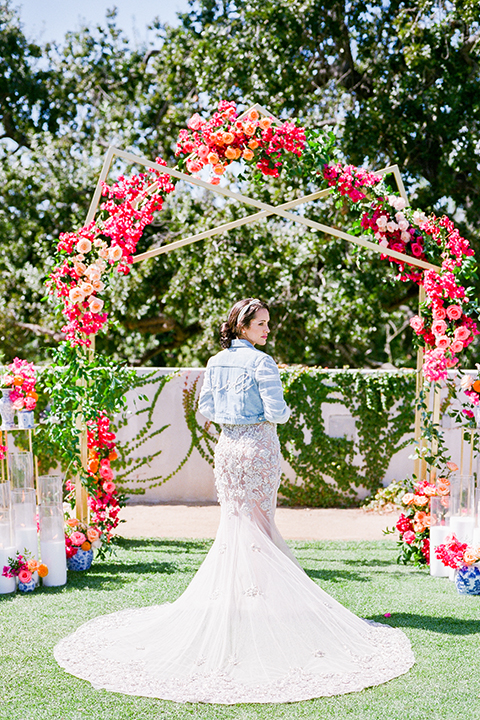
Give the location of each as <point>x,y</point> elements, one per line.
<point>251,626</point>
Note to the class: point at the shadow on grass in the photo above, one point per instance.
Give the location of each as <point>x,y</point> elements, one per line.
<point>160,544</point>
<point>442,625</point>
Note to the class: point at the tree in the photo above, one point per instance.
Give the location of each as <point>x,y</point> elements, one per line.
<point>398,84</point>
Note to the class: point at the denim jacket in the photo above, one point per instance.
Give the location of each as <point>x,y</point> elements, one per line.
<point>242,386</point>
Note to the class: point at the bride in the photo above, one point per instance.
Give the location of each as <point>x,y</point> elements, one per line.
<point>251,627</point>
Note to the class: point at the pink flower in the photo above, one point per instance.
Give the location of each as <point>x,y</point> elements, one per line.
<point>19,404</point>
<point>442,341</point>
<point>106,472</point>
<point>461,333</point>
<point>77,538</point>
<point>195,122</point>
<point>452,466</point>
<point>30,403</point>
<point>454,312</point>
<point>417,249</point>
<point>456,346</point>
<point>439,313</point>
<point>194,165</point>
<point>466,382</point>
<point>24,576</point>
<point>109,487</point>
<point>214,180</point>
<point>417,323</point>
<point>439,327</point>
<point>409,537</point>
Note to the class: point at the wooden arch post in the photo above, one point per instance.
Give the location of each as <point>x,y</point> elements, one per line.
<point>263,210</point>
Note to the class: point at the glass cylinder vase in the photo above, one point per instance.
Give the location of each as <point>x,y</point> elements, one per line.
<point>52,544</point>
<point>25,521</point>
<point>20,467</point>
<point>462,507</point>
<point>439,529</point>
<point>7,543</point>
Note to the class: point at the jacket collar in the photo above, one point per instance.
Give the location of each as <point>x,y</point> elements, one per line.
<point>241,343</point>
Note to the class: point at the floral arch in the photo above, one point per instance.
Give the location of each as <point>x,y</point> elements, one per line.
<point>427,250</point>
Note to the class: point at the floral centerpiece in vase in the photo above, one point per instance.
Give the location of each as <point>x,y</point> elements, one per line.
<point>465,560</point>
<point>80,542</point>
<point>23,568</point>
<point>20,379</point>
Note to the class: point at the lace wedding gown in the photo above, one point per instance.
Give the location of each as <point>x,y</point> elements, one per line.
<point>251,627</point>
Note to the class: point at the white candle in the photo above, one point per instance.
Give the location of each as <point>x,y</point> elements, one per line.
<point>26,538</point>
<point>7,585</point>
<point>462,527</point>
<point>438,533</point>
<point>54,557</point>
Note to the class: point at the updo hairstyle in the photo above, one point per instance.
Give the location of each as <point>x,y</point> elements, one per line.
<point>240,316</point>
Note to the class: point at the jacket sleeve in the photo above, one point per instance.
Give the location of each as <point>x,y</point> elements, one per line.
<point>271,391</point>
<point>206,403</point>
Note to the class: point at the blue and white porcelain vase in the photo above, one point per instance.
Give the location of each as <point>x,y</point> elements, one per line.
<point>26,420</point>
<point>81,560</point>
<point>467,579</point>
<point>27,587</point>
<point>7,410</point>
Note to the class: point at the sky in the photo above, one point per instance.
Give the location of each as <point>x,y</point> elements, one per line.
<point>49,20</point>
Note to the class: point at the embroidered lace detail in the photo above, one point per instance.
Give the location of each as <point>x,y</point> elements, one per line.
<point>222,548</point>
<point>255,548</point>
<point>318,653</point>
<point>253,591</point>
<point>247,468</point>
<point>215,595</point>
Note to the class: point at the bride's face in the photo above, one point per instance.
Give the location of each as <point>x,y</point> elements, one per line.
<point>257,331</point>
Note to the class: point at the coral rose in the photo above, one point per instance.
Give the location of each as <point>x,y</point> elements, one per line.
<point>439,327</point>
<point>109,487</point>
<point>461,333</point>
<point>452,466</point>
<point>218,169</point>
<point>253,144</point>
<point>439,313</point>
<point>253,115</point>
<point>442,341</point>
<point>194,165</point>
<point>212,158</point>
<point>106,472</point>
<point>32,565</point>
<point>42,570</point>
<point>214,180</point>
<point>230,153</point>
<point>456,346</point>
<point>71,522</point>
<point>417,323</point>
<point>195,122</point>
<point>470,556</point>
<point>92,534</point>
<point>228,138</point>
<point>202,152</point>
<point>249,129</point>
<point>248,154</point>
<point>454,312</point>
<point>83,246</point>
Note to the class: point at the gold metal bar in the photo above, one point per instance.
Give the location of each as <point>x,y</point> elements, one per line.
<point>274,210</point>
<point>111,152</point>
<point>470,470</point>
<point>227,226</point>
<point>462,440</point>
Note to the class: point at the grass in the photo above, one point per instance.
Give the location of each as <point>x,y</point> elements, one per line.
<point>443,627</point>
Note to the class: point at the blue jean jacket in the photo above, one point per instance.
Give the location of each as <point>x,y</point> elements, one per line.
<point>242,386</point>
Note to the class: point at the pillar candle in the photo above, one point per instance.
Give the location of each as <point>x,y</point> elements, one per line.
<point>54,557</point>
<point>462,527</point>
<point>7,585</point>
<point>438,533</point>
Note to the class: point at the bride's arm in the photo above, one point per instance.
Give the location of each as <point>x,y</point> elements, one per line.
<point>271,391</point>
<point>206,403</point>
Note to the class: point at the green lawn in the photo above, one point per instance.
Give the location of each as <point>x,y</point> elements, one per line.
<point>444,629</point>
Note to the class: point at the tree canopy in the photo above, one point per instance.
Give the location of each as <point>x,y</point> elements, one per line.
<point>396,82</point>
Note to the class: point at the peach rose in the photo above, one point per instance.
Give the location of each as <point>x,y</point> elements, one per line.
<point>32,565</point>
<point>265,123</point>
<point>104,252</point>
<point>253,144</point>
<point>79,268</point>
<point>76,295</point>
<point>92,534</point>
<point>249,129</point>
<point>98,286</point>
<point>212,158</point>
<point>86,288</point>
<point>71,522</point>
<point>95,304</point>
<point>452,466</point>
<point>18,404</point>
<point>93,273</point>
<point>83,246</point>
<point>470,556</point>
<point>430,490</point>
<point>253,115</point>
<point>115,253</point>
<point>466,382</point>
<point>408,498</point>
<point>228,138</point>
<point>248,154</point>
<point>420,500</point>
<point>230,153</point>
<point>218,169</point>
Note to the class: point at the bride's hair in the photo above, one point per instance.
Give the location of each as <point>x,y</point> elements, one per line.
<point>241,315</point>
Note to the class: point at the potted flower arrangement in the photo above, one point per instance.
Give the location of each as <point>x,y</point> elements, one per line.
<point>19,383</point>
<point>465,560</point>
<point>23,569</point>
<point>80,542</point>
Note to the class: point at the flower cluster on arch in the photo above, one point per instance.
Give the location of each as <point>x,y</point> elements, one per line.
<point>447,324</point>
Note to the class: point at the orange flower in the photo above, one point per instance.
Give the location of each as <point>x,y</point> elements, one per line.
<point>85,546</point>
<point>253,144</point>
<point>218,169</point>
<point>238,153</point>
<point>230,153</point>
<point>92,454</point>
<point>408,498</point>
<point>420,500</point>
<point>470,556</point>
<point>476,386</point>
<point>32,394</point>
<point>42,570</point>
<point>430,490</point>
<point>18,380</point>
<point>32,565</point>
<point>253,115</point>
<point>248,154</point>
<point>265,123</point>
<point>93,534</point>
<point>112,455</point>
<point>212,158</point>
<point>249,129</point>
<point>228,138</point>
<point>72,522</point>
<point>92,466</point>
